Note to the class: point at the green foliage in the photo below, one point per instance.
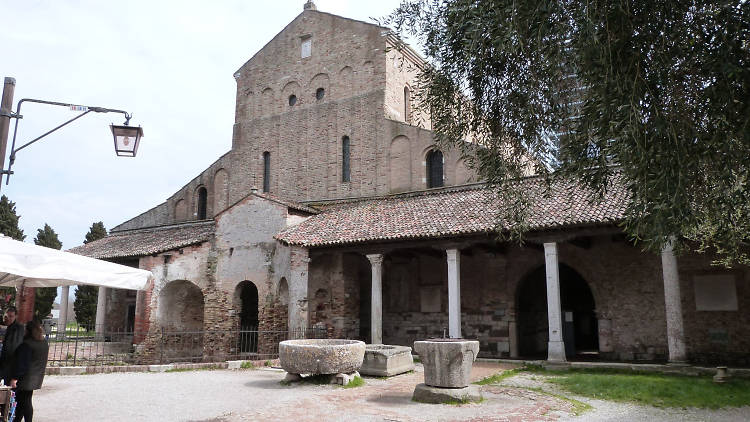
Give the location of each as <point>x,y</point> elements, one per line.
<point>9,219</point>
<point>496,378</point>
<point>86,297</point>
<point>357,381</point>
<point>649,95</point>
<point>47,237</point>
<point>45,296</point>
<point>84,305</point>
<point>247,365</point>
<point>657,390</point>
<point>96,232</point>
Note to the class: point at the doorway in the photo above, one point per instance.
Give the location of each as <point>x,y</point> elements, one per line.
<point>580,326</point>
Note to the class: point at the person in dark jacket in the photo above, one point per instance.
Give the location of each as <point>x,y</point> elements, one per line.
<point>13,338</point>
<point>28,369</point>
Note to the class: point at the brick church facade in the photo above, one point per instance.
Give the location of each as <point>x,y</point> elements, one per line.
<point>334,209</point>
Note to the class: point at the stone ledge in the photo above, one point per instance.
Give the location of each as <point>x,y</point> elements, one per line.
<point>72,370</point>
<point>160,368</point>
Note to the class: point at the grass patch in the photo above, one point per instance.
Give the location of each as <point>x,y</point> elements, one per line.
<point>462,401</point>
<point>495,379</point>
<point>651,389</point>
<point>205,368</point>
<point>247,365</point>
<point>355,382</point>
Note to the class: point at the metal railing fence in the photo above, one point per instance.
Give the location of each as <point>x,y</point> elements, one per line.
<point>87,348</point>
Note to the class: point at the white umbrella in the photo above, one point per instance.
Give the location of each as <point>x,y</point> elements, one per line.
<point>28,265</point>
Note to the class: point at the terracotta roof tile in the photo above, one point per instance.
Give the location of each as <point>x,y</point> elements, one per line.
<point>147,241</point>
<point>450,212</point>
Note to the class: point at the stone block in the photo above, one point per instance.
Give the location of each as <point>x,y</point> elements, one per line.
<point>447,362</point>
<point>292,377</point>
<point>234,364</point>
<point>160,368</point>
<point>385,360</point>
<point>424,393</point>
<point>344,379</point>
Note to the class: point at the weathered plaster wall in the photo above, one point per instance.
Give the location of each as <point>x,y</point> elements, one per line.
<point>245,250</point>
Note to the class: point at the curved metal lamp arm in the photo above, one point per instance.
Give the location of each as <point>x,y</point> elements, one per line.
<point>17,115</point>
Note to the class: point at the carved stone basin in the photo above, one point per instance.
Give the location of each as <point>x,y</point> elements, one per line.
<point>447,362</point>
<point>321,356</point>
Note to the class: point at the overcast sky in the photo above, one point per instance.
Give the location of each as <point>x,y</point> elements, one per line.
<point>169,63</point>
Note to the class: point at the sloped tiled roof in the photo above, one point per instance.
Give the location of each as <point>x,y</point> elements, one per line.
<point>147,241</point>
<point>289,204</point>
<point>451,212</point>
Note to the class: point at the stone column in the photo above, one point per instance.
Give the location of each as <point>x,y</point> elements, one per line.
<point>673,305</point>
<point>298,282</point>
<point>376,315</point>
<point>454,292</point>
<point>63,319</point>
<point>101,311</point>
<point>556,347</point>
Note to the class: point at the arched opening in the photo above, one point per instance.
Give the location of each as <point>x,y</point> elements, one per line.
<point>282,323</point>
<point>180,315</point>
<point>246,299</point>
<point>434,164</point>
<point>202,203</point>
<point>266,171</point>
<point>580,330</point>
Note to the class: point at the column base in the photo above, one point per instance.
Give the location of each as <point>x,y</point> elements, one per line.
<point>556,351</point>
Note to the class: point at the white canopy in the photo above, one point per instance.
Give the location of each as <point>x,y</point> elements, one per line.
<point>37,266</point>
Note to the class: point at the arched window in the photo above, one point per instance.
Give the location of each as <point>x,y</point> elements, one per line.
<point>266,171</point>
<point>434,169</point>
<point>346,174</point>
<point>202,202</point>
<point>407,105</point>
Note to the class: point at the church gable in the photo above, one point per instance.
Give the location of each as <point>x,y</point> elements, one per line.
<point>317,56</point>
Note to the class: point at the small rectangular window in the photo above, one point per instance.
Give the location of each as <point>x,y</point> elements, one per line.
<point>266,171</point>
<point>345,159</point>
<point>306,48</point>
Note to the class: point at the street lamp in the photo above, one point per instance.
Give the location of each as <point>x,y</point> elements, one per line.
<point>126,137</point>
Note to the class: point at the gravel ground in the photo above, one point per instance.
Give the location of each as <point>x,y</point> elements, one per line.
<point>257,395</point>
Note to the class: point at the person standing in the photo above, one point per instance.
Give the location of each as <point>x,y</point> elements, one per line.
<point>27,373</point>
<point>13,338</point>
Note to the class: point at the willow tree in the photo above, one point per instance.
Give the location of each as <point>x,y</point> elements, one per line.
<point>651,95</point>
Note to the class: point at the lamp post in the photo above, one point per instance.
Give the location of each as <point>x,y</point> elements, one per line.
<point>126,137</point>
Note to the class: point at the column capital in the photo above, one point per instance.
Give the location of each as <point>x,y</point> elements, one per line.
<point>453,253</point>
<point>375,259</point>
